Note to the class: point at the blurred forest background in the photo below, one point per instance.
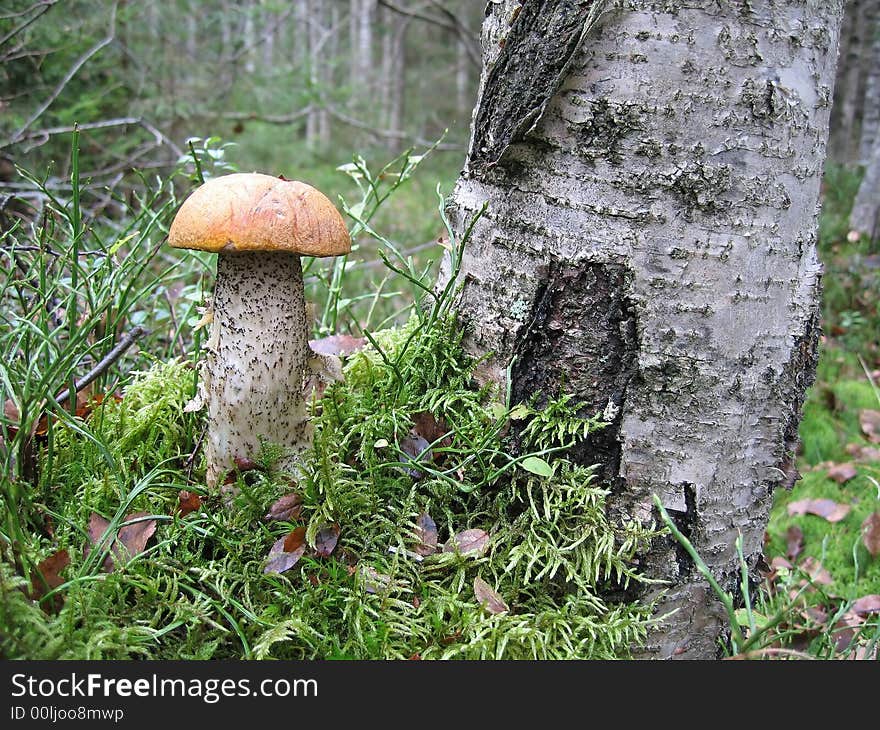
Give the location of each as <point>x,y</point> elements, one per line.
<point>298,86</point>
<point>163,92</point>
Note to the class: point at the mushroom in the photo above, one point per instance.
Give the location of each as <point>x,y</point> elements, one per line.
<point>258,351</point>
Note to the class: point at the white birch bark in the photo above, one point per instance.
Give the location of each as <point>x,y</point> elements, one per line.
<point>650,240</point>
<point>865,216</point>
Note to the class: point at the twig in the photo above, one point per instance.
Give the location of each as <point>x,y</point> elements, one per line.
<point>46,6</point>
<point>105,362</point>
<point>71,72</point>
<point>191,459</point>
<point>388,133</point>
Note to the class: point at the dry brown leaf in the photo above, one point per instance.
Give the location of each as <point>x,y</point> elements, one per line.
<point>826,508</point>
<point>794,538</point>
<point>47,577</point>
<point>286,551</point>
<point>870,422</point>
<point>842,473</point>
<point>285,509</point>
<point>427,426</point>
<point>188,502</point>
<point>867,605</point>
<point>871,533</point>
<point>426,532</point>
<point>861,452</point>
<point>326,539</point>
<point>817,573</point>
<point>243,464</point>
<point>130,540</point>
<point>294,539</point>
<point>338,345</point>
<point>468,542</point>
<point>488,598</point>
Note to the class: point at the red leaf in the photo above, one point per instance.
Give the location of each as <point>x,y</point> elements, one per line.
<point>867,605</point>
<point>795,542</point>
<point>426,532</point>
<point>842,473</point>
<point>467,542</point>
<point>827,508</point>
<point>431,429</point>
<point>294,540</point>
<point>870,423</point>
<point>188,502</point>
<point>286,551</point>
<point>871,533</point>
<point>489,599</point>
<point>242,463</point>
<point>326,539</point>
<point>285,509</point>
<point>47,577</point>
<point>337,345</point>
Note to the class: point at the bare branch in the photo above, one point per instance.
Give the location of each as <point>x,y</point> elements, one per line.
<point>450,23</point>
<point>80,62</point>
<point>388,133</point>
<point>41,8</point>
<point>103,365</point>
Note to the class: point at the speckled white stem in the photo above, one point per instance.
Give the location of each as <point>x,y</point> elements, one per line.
<point>253,371</point>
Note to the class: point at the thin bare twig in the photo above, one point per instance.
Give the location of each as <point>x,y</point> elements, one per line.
<point>102,365</point>
<point>71,72</point>
<point>44,7</point>
<point>388,133</point>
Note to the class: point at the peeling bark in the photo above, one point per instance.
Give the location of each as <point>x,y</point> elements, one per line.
<point>651,239</point>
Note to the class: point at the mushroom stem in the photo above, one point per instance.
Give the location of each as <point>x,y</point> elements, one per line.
<point>256,356</point>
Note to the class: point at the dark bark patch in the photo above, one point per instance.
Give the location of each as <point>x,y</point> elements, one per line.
<point>600,135</point>
<point>525,75</point>
<point>580,339</point>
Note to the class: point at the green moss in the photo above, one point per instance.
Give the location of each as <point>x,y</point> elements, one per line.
<point>839,545</point>
<point>199,591</point>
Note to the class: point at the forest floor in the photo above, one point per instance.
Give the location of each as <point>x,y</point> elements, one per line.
<point>430,520</point>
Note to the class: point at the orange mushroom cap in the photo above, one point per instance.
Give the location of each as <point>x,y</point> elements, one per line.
<point>256,212</point>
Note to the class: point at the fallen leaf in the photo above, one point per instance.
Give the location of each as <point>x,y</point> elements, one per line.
<point>294,540</point>
<point>285,509</point>
<point>130,540</point>
<point>827,508</point>
<point>426,425</point>
<point>488,598</point>
<point>136,535</point>
<point>467,542</point>
<point>867,605</point>
<point>817,573</point>
<point>47,577</point>
<point>286,551</point>
<point>417,449</point>
<point>243,464</point>
<point>871,533</point>
<point>188,502</point>
<point>326,539</point>
<point>861,452</point>
<point>426,533</point>
<point>842,473</point>
<point>870,422</point>
<point>281,559</point>
<point>794,538</point>
<point>338,345</point>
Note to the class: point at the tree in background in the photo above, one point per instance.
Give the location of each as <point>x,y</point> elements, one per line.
<point>652,174</point>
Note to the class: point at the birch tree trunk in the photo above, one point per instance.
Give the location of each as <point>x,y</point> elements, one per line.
<point>865,216</point>
<point>652,176</point>
<point>871,115</point>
